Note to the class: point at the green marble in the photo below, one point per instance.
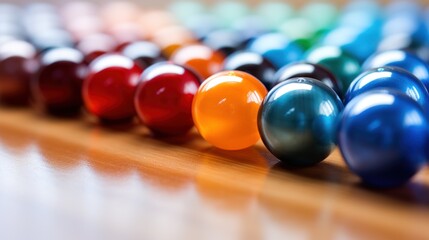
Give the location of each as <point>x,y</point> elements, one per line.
<point>345,67</point>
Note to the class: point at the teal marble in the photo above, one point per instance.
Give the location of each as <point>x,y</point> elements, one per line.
<point>297,121</point>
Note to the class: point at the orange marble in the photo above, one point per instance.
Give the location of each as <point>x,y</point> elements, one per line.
<point>202,59</point>
<point>225,109</point>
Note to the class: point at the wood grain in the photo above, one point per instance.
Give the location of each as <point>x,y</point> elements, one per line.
<point>75,179</point>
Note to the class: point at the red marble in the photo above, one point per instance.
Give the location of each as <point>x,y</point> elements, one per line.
<point>164,98</point>
<point>57,86</point>
<point>17,67</point>
<point>109,89</point>
<point>144,53</point>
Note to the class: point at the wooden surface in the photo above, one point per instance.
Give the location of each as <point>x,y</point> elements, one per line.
<point>75,179</point>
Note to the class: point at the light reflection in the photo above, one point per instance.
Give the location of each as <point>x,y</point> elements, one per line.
<point>253,97</point>
<point>135,50</point>
<point>392,56</point>
<point>290,88</point>
<point>351,67</point>
<point>328,83</point>
<point>219,181</point>
<point>326,108</point>
<point>193,52</point>
<point>249,56</point>
<point>190,88</point>
<point>413,118</point>
<point>413,93</point>
<point>291,111</point>
<point>62,54</point>
<point>162,69</point>
<point>18,48</point>
<point>372,77</point>
<point>420,71</point>
<point>213,82</point>
<point>269,42</point>
<point>222,101</point>
<point>376,99</point>
<point>160,91</point>
<point>341,36</point>
<point>323,52</point>
<point>299,68</point>
<point>111,60</point>
<point>134,79</point>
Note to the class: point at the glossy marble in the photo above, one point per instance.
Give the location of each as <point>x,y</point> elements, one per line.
<point>144,53</point>
<point>383,137</point>
<point>18,64</point>
<point>401,59</point>
<point>297,121</point>
<point>305,69</point>
<point>109,89</point>
<point>252,63</point>
<point>389,78</point>
<point>200,58</point>
<point>225,109</point>
<point>276,48</point>
<point>342,65</point>
<point>164,97</point>
<point>58,84</point>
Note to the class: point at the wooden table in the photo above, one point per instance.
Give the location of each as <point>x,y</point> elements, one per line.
<point>75,179</point>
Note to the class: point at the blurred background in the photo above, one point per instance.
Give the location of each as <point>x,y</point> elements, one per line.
<point>167,2</point>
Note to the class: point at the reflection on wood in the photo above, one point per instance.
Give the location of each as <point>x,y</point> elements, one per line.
<point>74,179</point>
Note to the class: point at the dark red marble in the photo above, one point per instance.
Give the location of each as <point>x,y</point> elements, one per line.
<point>304,69</point>
<point>164,98</point>
<point>95,45</point>
<point>252,63</point>
<point>109,89</point>
<point>57,86</point>
<point>17,67</point>
<point>143,53</point>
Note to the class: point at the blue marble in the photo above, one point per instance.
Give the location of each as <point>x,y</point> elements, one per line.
<point>358,31</point>
<point>277,48</point>
<point>297,121</point>
<point>389,78</point>
<point>359,43</point>
<point>382,136</point>
<point>406,26</point>
<point>401,59</point>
